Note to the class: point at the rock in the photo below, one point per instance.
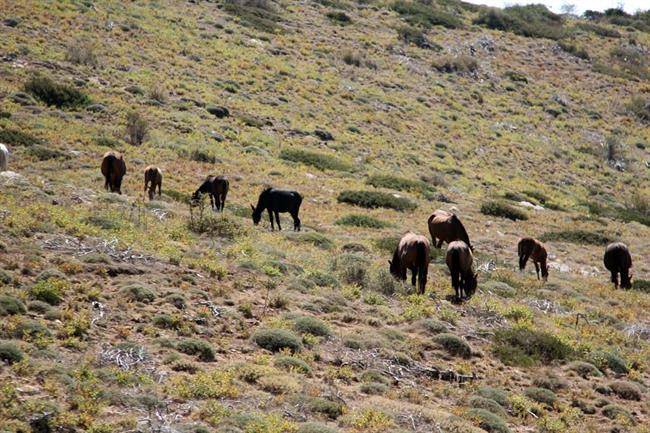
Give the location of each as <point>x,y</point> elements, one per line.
<point>96,108</point>
<point>10,22</point>
<point>219,112</point>
<point>11,178</point>
<point>311,176</point>
<point>41,423</point>
<point>530,205</point>
<point>216,136</point>
<point>323,135</point>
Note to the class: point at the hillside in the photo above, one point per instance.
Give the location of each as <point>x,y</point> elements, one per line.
<point>120,314</point>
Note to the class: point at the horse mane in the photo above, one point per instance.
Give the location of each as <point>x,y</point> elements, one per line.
<point>463,233</point>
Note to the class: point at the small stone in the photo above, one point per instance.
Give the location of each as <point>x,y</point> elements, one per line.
<point>10,22</point>
<point>216,136</point>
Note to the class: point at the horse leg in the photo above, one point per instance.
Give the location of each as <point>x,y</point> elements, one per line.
<point>296,221</point>
<point>271,218</point>
<point>223,201</point>
<point>536,269</point>
<point>439,244</point>
<point>522,261</point>
<point>159,188</point>
<point>277,219</point>
<point>413,275</point>
<point>615,279</point>
<point>455,283</point>
<point>422,276</point>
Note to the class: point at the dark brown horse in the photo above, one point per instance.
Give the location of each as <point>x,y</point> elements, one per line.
<point>113,169</point>
<point>619,261</point>
<point>446,227</point>
<point>459,261</point>
<point>217,188</point>
<point>535,250</point>
<point>277,201</point>
<point>152,179</point>
<point>412,253</point>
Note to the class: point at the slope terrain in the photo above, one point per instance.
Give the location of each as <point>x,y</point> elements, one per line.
<point>120,314</point>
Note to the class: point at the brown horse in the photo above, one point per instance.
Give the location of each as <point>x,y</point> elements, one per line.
<point>412,253</point>
<point>217,188</point>
<point>459,261</point>
<point>535,250</point>
<point>113,169</point>
<point>152,179</point>
<point>619,261</point>
<point>447,228</point>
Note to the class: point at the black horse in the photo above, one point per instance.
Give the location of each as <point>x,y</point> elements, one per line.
<point>276,201</point>
<point>217,188</point>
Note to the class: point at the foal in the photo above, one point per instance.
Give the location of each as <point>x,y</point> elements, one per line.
<point>535,250</point>
<point>412,253</point>
<point>153,179</point>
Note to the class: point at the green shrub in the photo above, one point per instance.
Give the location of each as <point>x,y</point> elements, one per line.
<point>434,326</point>
<point>200,348</point>
<point>321,161</point>
<point>641,285</point>
<point>496,394</point>
<point>10,305</point>
<point>626,390</point>
<point>293,364</point>
<point>49,290</point>
<point>39,307</point>
<point>574,50</point>
<point>541,395</point>
<point>30,329</point>
<point>425,14</point>
<point>503,210</point>
<point>339,17</point>
<point>311,325</point>
<point>499,288</point>
<point>478,402</point>
<point>614,362</point>
<point>398,183</point>
<point>576,237</point>
<point>138,293</point>
<point>43,153</point>
<point>488,421</point>
<point>415,36</point>
<point>521,346</point>
<point>166,321</point>
<point>52,93</point>
<point>375,199</point>
<point>585,369</point>
<point>599,30</point>
<point>317,239</point>
<point>258,14</point>
<point>351,268</point>
<point>460,64</point>
<point>10,353</point>
<point>13,137</point>
<point>640,107</point>
<point>216,225</point>
<point>326,407</point>
<point>365,221</point>
<point>534,21</point>
<point>614,412</point>
<point>177,300</point>
<point>384,282</point>
<point>454,345</point>
<point>387,243</point>
<point>275,339</point>
<point>373,388</point>
<point>315,427</point>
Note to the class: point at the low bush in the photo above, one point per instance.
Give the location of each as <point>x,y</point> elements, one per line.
<point>82,53</point>
<point>291,363</point>
<point>526,347</point>
<point>434,326</point>
<point>541,395</point>
<point>177,300</point>
<point>398,183</point>
<point>49,290</point>
<point>56,94</point>
<point>39,307</point>
<point>166,321</point>
<point>321,161</point>
<point>387,243</point>
<point>626,390</point>
<point>315,427</point>
<point>258,14</point>
<point>453,345</point>
<point>615,412</point>
<point>496,394</point>
<point>14,137</point>
<point>10,305</point>
<point>603,360</point>
<point>460,64</point>
<point>425,14</point>
<point>478,402</point>
<point>10,353</point>
<point>550,381</point>
<point>139,293</point>
<point>576,237</point>
<point>200,348</point>
<point>375,199</point>
<point>415,36</point>
<point>216,225</point>
<point>488,421</point>
<point>275,339</point>
<point>30,329</point>
<point>641,285</point>
<point>384,282</point>
<point>639,107</point>
<point>534,21</point>
<point>339,17</point>
<point>503,210</point>
<point>351,268</point>
<point>137,128</point>
<point>215,384</point>
<point>585,369</point>
<point>365,221</point>
<point>311,325</point>
<point>599,30</point>
<point>329,408</point>
<point>373,388</point>
<point>317,239</point>
<point>574,50</point>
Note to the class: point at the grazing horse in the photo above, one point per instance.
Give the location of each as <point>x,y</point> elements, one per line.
<point>447,228</point>
<point>459,261</point>
<point>152,179</point>
<point>4,156</point>
<point>412,253</point>
<point>276,201</point>
<point>217,188</point>
<point>535,250</point>
<point>619,261</point>
<point>113,169</point>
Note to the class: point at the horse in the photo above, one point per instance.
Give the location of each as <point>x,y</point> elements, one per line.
<point>412,253</point>
<point>113,169</point>
<point>276,201</point>
<point>152,179</point>
<point>217,188</point>
<point>618,260</point>
<point>459,261</point>
<point>534,249</point>
<point>4,157</point>
<point>447,227</point>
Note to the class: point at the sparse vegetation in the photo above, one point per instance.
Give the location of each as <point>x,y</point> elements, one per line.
<point>534,21</point>
<point>577,237</point>
<point>425,14</point>
<point>319,160</point>
<point>137,128</point>
<point>200,348</point>
<point>461,64</point>
<point>359,220</point>
<point>453,345</point>
<point>521,346</point>
<point>49,290</point>
<point>276,340</point>
<point>10,353</point>
<point>138,293</point>
<point>311,325</point>
<point>56,94</point>
<point>375,199</point>
<point>503,210</point>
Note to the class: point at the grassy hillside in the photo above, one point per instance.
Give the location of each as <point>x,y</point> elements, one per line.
<point>121,315</point>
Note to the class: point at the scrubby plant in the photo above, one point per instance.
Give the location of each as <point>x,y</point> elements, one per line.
<point>292,363</point>
<point>639,107</point>
<point>351,268</point>
<point>382,281</point>
<point>598,30</point>
<point>39,307</point>
<point>50,290</point>
<point>453,345</point>
<point>315,427</point>
<point>434,326</point>
<point>425,14</point>
<point>359,220</point>
<point>577,237</point>
<point>373,388</point>
<point>177,300</point>
<point>615,412</point>
<point>550,381</point>
<point>574,50</point>
<point>534,21</point>
<point>275,339</point>
<point>641,285</point>
<point>329,408</point>
<point>10,305</point>
<point>258,14</point>
<point>585,369</point>
<point>503,210</point>
<point>626,390</point>
<point>488,421</point>
<point>460,64</point>
<point>541,395</point>
<point>311,325</point>
<point>496,394</point>
<point>319,160</point>
<point>478,402</point>
<point>30,329</point>
<point>376,199</point>
<point>139,293</point>
<point>204,385</point>
<point>166,321</point>
<point>137,128</point>
<point>415,36</point>
<point>57,94</point>
<point>523,346</point>
<point>200,348</point>
<point>82,52</point>
<point>398,183</point>
<point>314,238</point>
<point>339,17</point>
<point>14,137</point>
<point>10,353</point>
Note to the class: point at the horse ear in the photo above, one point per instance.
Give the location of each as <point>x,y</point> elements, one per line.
<point>253,207</point>
<point>390,262</point>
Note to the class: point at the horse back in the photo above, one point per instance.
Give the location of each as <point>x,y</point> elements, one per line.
<point>617,257</point>
<point>459,257</point>
<point>414,250</point>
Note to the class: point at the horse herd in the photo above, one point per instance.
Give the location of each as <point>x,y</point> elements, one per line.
<point>412,252</point>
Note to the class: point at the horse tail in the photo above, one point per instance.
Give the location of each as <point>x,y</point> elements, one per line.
<point>455,260</point>
<point>110,161</point>
<point>423,265</point>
